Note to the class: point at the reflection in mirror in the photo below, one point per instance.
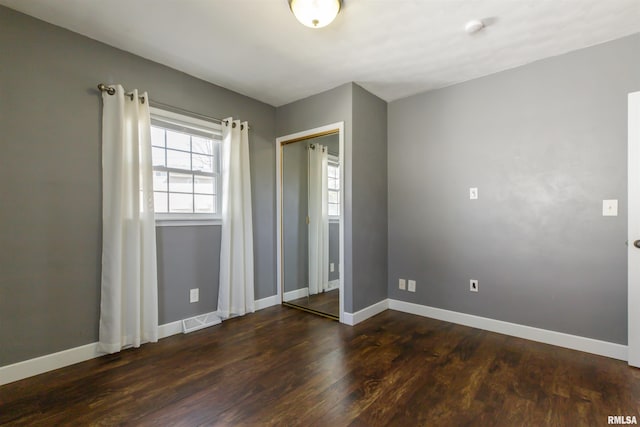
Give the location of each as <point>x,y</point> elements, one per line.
<point>310,224</point>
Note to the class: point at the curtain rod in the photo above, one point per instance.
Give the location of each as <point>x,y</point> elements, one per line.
<point>313,147</point>
<point>111,91</point>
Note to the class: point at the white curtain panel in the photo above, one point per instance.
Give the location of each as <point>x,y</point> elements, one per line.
<point>129,298</point>
<point>236,295</point>
<point>318,220</point>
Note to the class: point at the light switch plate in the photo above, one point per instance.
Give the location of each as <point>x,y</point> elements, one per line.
<point>402,284</point>
<point>609,208</point>
<point>473,193</point>
<point>332,267</point>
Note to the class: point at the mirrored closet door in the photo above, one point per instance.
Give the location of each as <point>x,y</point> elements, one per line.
<point>310,201</point>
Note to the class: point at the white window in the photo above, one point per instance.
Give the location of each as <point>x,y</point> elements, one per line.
<point>333,173</point>
<point>186,166</point>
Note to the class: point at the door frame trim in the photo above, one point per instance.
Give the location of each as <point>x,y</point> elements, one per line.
<point>633,231</point>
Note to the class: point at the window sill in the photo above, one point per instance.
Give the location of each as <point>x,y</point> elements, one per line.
<point>185,221</point>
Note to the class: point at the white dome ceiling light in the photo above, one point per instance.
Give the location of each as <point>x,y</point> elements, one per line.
<point>473,26</point>
<point>315,13</point>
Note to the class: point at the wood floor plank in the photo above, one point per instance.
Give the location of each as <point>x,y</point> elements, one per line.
<point>325,302</point>
<point>282,367</point>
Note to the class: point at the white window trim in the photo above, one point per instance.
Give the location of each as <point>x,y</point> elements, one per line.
<point>335,160</point>
<point>183,120</point>
<point>187,219</point>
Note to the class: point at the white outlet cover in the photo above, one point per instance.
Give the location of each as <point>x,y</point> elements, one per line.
<point>194,295</point>
<point>473,193</point>
<point>332,267</point>
<point>412,286</point>
<point>402,284</point>
<point>610,208</point>
<point>473,285</point>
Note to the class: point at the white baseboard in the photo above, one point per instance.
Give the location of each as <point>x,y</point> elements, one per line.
<point>39,365</point>
<point>266,302</point>
<point>295,294</point>
<point>574,342</point>
<point>169,329</point>
<point>49,362</point>
<point>365,313</point>
<point>333,284</point>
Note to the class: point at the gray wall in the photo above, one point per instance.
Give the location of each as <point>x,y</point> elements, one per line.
<point>369,198</point>
<point>50,171</point>
<point>365,186</point>
<point>545,144</point>
<point>318,110</point>
<point>188,257</point>
<point>294,216</point>
<point>334,250</point>
<point>332,142</point>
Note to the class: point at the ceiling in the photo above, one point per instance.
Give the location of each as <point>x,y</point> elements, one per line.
<point>393,48</point>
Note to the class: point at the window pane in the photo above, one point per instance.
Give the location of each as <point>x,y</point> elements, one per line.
<point>180,182</point>
<point>157,136</point>
<point>333,197</point>
<point>178,160</point>
<point>204,204</point>
<point>186,167</point>
<point>333,184</point>
<point>202,163</point>
<point>158,156</point>
<point>202,145</point>
<point>159,181</point>
<point>333,172</point>
<point>204,184</point>
<point>160,202</point>
<point>179,141</point>
<point>182,203</point>
<point>334,210</point>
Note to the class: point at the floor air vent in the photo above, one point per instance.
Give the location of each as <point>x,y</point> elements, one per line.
<point>199,322</point>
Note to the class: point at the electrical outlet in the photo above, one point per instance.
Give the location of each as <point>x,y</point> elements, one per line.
<point>473,285</point>
<point>473,193</point>
<point>412,286</point>
<point>402,284</point>
<point>332,267</point>
<point>194,295</point>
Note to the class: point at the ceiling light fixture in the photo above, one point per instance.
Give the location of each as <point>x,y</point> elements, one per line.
<point>315,13</point>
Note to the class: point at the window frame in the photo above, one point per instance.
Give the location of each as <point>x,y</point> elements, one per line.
<point>198,126</point>
<point>334,161</point>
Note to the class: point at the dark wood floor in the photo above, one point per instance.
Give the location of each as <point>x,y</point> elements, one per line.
<point>284,367</point>
<point>325,302</point>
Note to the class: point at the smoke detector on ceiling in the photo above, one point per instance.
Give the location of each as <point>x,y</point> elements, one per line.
<point>473,26</point>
